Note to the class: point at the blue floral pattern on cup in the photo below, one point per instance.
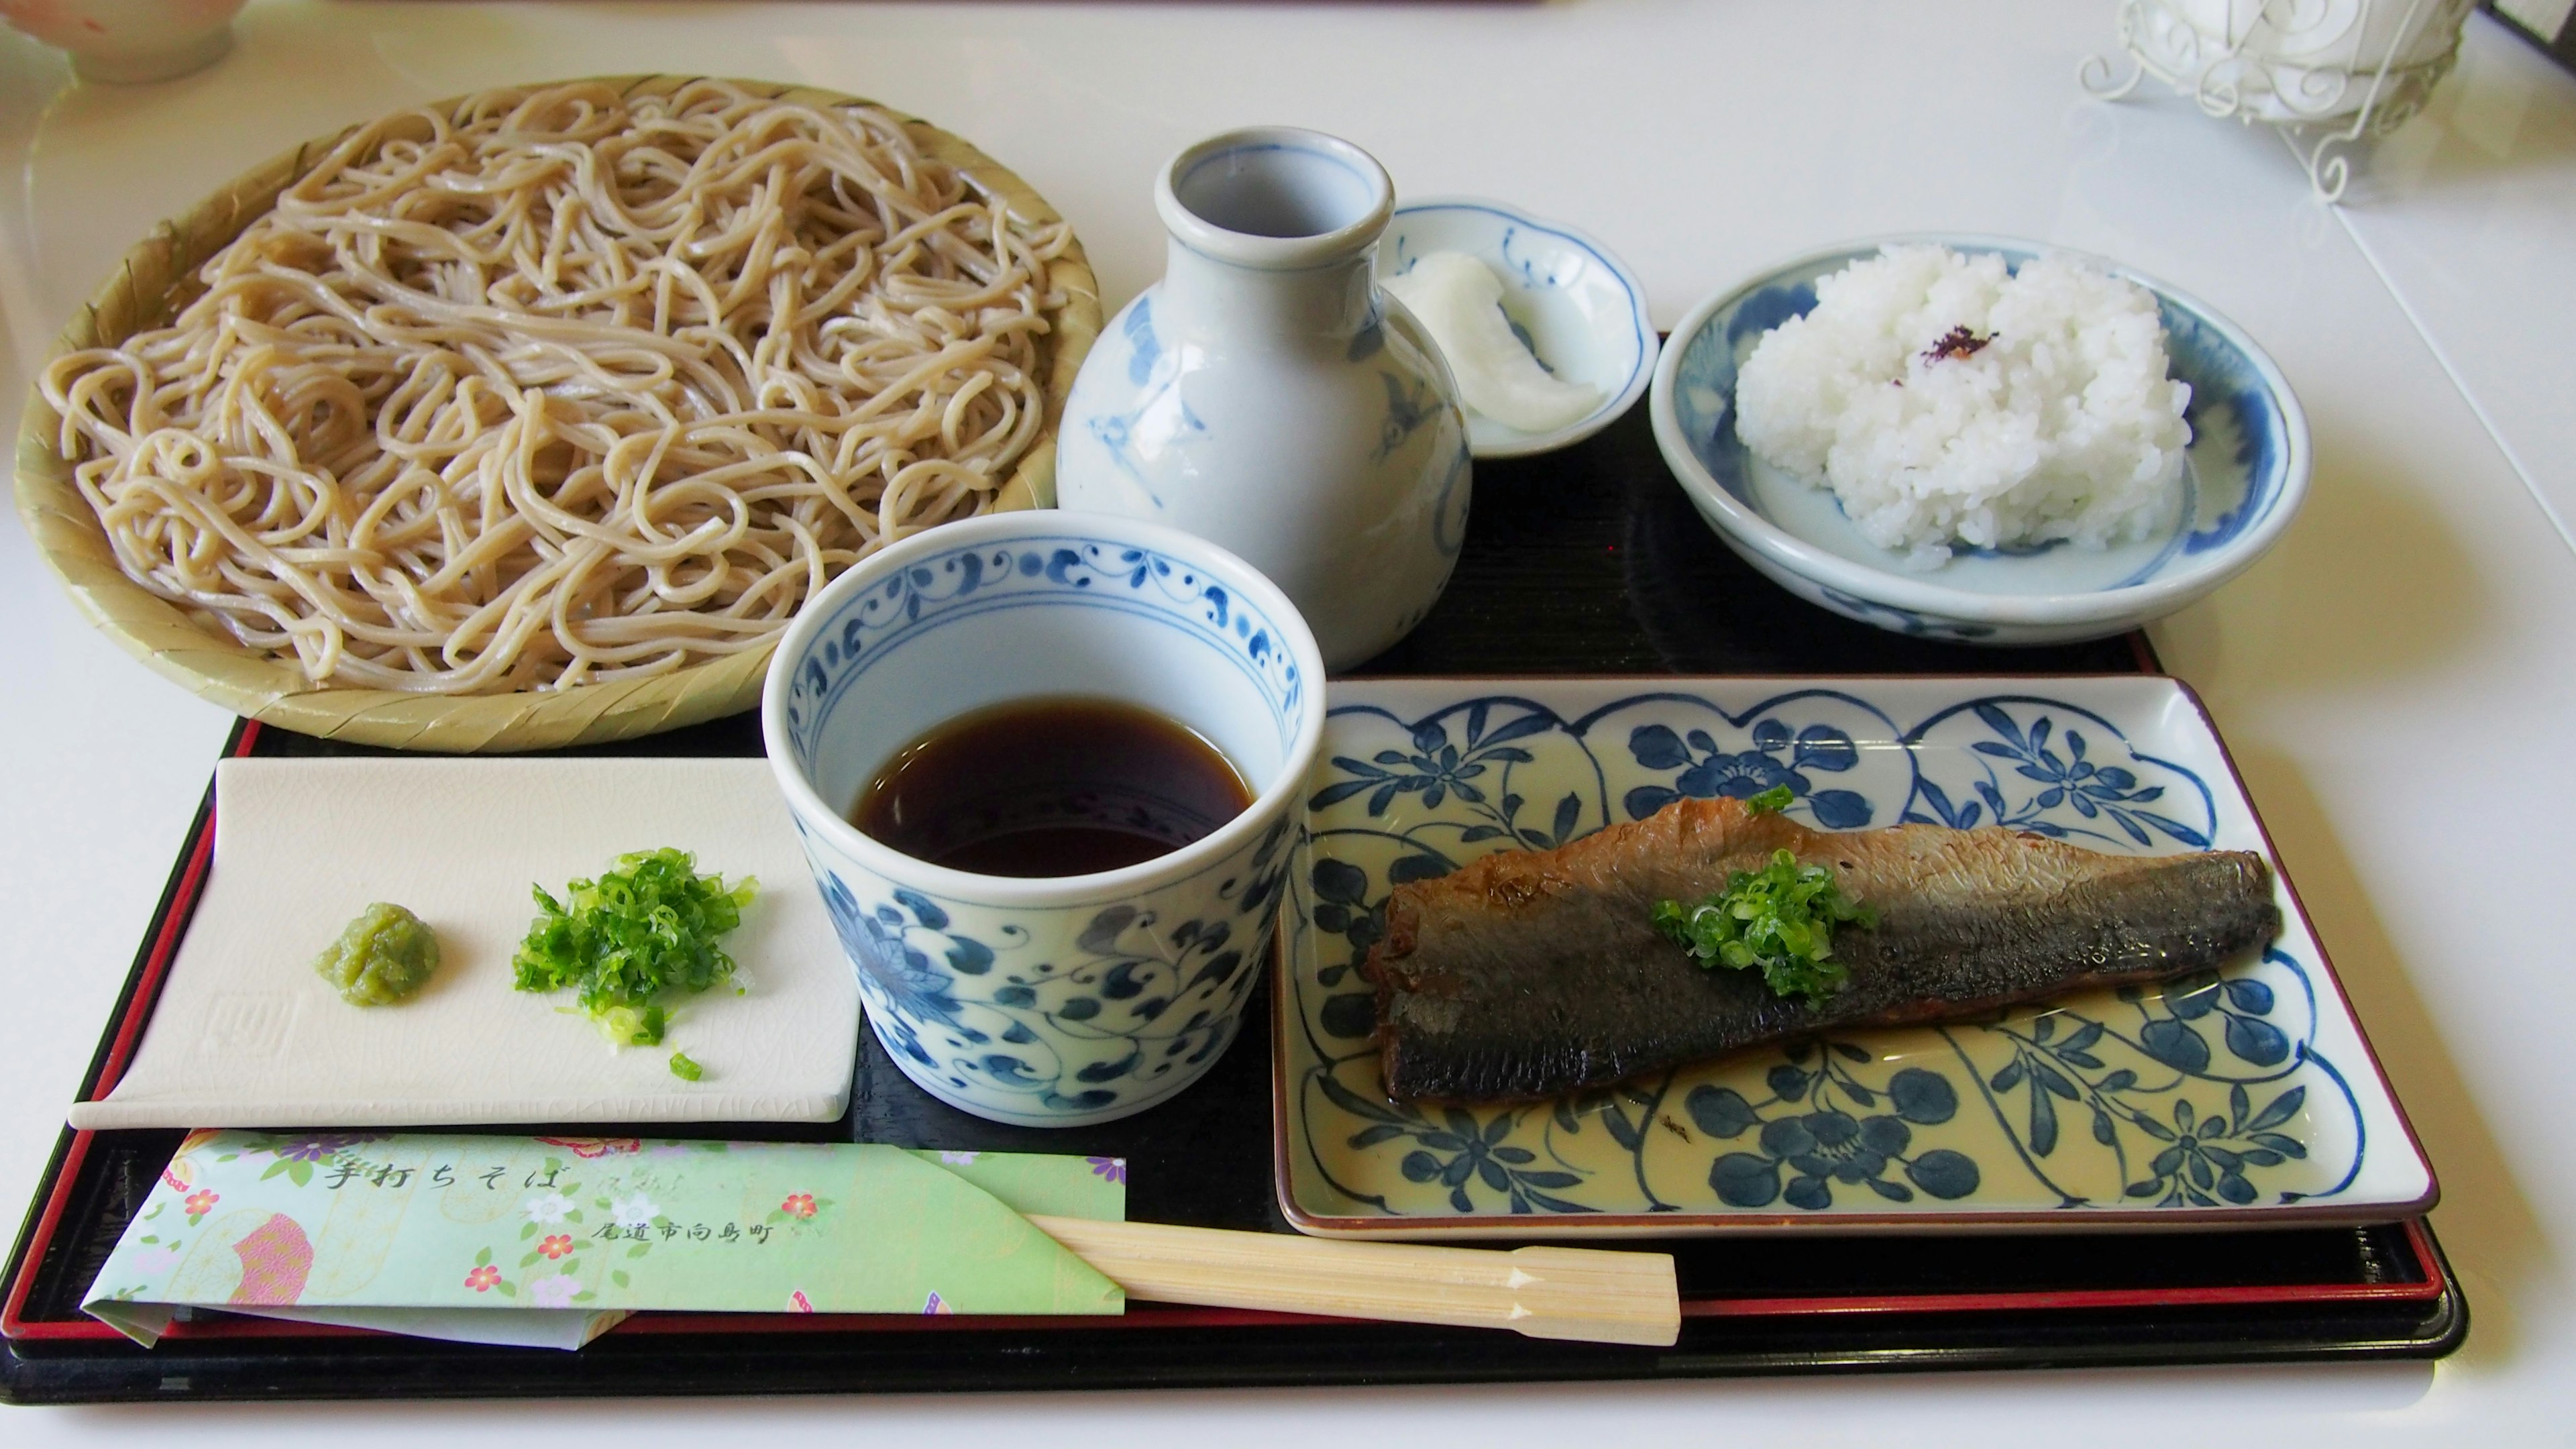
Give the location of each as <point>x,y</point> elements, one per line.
<point>1023,1001</point>
<point>1129,1007</point>
<point>2215,1092</point>
<point>935,589</point>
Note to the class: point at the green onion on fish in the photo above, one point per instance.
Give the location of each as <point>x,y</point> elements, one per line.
<point>1780,918</point>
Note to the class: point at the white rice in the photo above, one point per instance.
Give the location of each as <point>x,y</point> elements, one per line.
<point>2063,425</point>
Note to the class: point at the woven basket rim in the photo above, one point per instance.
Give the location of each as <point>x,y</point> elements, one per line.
<point>146,289</point>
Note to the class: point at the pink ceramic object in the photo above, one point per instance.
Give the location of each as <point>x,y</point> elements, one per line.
<point>130,40</point>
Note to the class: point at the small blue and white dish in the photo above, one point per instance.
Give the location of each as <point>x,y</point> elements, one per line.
<point>2244,477</point>
<point>1578,309</point>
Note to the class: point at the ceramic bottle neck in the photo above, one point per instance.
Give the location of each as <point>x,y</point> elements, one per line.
<point>1273,233</point>
<point>1259,307</point>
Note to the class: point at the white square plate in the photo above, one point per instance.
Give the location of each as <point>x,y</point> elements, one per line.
<point>245,1034</point>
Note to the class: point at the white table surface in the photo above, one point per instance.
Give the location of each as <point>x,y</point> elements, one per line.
<point>2398,680</point>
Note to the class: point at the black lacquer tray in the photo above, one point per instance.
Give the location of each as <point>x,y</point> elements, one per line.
<point>1588,561</point>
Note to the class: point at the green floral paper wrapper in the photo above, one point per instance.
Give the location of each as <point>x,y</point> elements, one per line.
<point>551,1240</point>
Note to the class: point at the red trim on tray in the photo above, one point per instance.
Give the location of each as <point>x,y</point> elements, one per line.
<point>2144,650</point>
<point>165,945</point>
<point>147,994</point>
<point>1165,1316</point>
<point>2248,1295</point>
<point>1156,1315</point>
<point>1139,1315</point>
<point>232,1326</point>
<point>235,1327</point>
<point>11,1325</point>
<point>138,1011</point>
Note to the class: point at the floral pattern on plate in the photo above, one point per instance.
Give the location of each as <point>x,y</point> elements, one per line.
<point>2244,1092</point>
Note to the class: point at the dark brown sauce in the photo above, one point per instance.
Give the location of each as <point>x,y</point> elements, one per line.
<point>1044,787</point>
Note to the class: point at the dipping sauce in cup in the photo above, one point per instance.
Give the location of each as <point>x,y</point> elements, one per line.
<point>1045,787</point>
<point>1046,995</point>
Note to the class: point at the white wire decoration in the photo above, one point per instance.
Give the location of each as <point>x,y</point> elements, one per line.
<point>2329,73</point>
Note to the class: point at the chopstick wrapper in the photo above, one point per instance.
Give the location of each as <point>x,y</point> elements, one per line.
<point>549,1241</point>
<point>245,1034</point>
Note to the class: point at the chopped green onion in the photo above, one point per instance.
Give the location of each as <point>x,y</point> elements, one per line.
<point>1780,918</point>
<point>646,927</point>
<point>1771,801</point>
<point>684,1069</point>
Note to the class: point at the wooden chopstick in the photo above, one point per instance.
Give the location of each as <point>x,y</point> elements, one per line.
<point>1575,1293</point>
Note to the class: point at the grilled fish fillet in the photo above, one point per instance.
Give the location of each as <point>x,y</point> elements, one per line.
<point>1527,975</point>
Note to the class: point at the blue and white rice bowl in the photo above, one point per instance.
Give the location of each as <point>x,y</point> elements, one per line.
<point>2243,477</point>
<point>1065,1000</point>
<point>1578,309</point>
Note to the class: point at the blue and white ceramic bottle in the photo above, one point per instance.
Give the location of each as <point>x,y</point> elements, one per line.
<point>1267,396</point>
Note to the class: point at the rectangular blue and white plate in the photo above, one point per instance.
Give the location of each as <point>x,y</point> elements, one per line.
<point>2240,1099</point>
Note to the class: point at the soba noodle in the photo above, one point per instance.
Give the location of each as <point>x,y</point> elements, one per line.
<point>556,385</point>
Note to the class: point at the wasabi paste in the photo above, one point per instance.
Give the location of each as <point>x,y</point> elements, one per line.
<point>384,956</point>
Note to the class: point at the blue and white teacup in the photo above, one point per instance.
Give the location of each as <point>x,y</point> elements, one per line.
<point>1056,1001</point>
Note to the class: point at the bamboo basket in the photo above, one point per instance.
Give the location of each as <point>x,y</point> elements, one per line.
<point>158,277</point>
